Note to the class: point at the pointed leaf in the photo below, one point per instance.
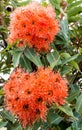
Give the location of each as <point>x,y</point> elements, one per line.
<point>25,63</point>
<point>16,56</point>
<point>66,109</point>
<point>69,128</point>
<point>73,95</point>
<point>33,56</point>
<point>64,34</point>
<point>65,70</point>
<point>54,59</point>
<point>16,126</point>
<point>23,3</point>
<point>2,123</point>
<point>54,118</point>
<point>79,104</point>
<point>74,4</point>
<point>75,126</point>
<point>1,92</point>
<point>68,58</point>
<point>74,11</point>
<point>7,115</point>
<point>75,65</point>
<point>70,1</point>
<point>74,18</point>
<point>36,125</point>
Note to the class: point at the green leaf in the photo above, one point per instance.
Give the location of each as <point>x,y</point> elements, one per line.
<point>74,18</point>
<point>45,126</point>
<point>67,55</point>
<point>44,60</point>
<point>66,109</point>
<point>9,58</point>
<point>74,4</point>
<point>53,2</point>
<point>69,128</point>
<point>33,56</point>
<point>68,58</point>
<point>74,11</point>
<point>53,118</point>
<point>16,56</point>
<point>54,59</point>
<point>64,34</point>
<point>25,63</point>
<point>23,3</point>
<point>7,115</point>
<point>2,123</point>
<point>70,1</point>
<point>80,50</point>
<point>16,126</point>
<point>56,5</point>
<point>65,70</point>
<point>75,126</point>
<point>75,65</point>
<point>1,92</point>
<point>73,95</point>
<point>78,106</point>
<point>36,125</point>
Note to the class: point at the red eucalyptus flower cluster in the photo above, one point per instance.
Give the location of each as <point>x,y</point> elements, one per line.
<point>34,25</point>
<point>28,94</point>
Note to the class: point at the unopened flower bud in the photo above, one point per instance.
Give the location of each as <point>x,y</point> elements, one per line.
<point>9,8</point>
